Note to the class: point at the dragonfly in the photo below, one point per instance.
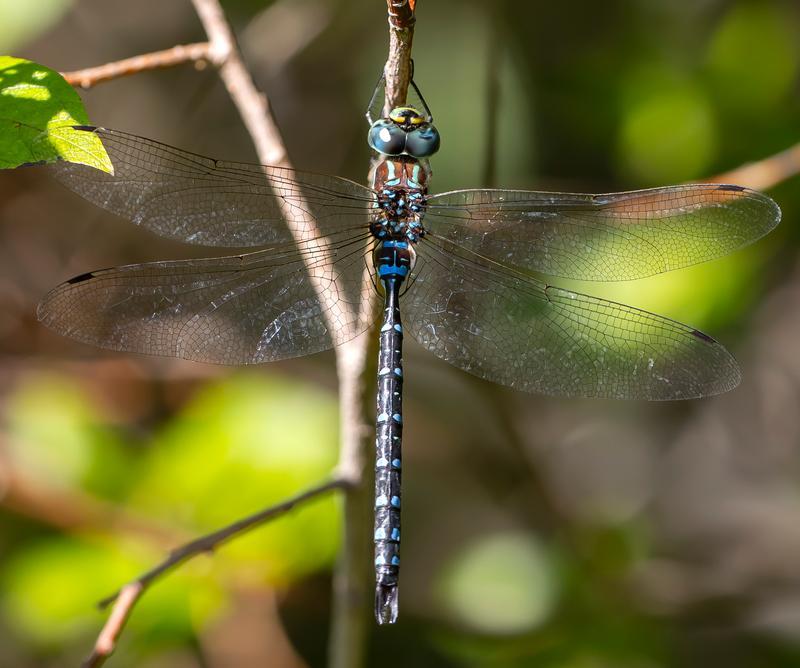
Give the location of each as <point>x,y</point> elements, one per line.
<point>470,268</point>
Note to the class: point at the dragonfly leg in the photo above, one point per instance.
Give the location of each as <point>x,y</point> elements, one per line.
<point>378,87</point>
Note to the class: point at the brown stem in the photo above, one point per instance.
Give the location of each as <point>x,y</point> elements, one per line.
<point>125,599</point>
<point>221,50</point>
<point>348,629</point>
<point>764,174</point>
<point>183,53</point>
<point>398,65</point>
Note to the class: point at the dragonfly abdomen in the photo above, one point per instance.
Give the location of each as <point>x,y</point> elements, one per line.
<point>393,263</point>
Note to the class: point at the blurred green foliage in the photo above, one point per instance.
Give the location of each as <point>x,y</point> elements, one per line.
<point>241,444</point>
<point>25,20</point>
<point>504,585</point>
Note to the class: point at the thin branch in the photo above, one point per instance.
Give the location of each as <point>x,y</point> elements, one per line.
<point>107,640</point>
<point>398,66</point>
<point>764,174</point>
<point>187,53</point>
<point>125,599</point>
<point>348,635</point>
<point>252,105</point>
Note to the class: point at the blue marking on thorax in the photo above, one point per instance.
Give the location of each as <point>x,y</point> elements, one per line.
<point>414,180</point>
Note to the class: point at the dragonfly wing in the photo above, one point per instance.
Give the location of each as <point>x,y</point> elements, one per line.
<point>203,201</point>
<point>611,237</point>
<point>245,309</point>
<point>512,329</point>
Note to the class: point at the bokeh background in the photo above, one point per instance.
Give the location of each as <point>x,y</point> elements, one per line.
<point>537,531</point>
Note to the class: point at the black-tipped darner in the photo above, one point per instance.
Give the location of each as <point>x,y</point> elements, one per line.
<point>468,263</point>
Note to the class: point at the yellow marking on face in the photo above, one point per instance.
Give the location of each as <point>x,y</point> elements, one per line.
<point>402,115</point>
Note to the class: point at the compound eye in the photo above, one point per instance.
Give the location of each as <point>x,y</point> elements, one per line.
<point>423,142</point>
<point>386,138</point>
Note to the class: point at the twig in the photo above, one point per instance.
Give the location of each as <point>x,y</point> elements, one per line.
<point>107,640</point>
<point>186,53</point>
<point>764,174</point>
<point>125,599</point>
<point>253,106</point>
<point>347,641</point>
<point>346,645</point>
<point>398,66</point>
<point>349,631</point>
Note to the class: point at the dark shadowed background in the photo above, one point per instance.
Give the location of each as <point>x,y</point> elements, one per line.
<point>537,531</point>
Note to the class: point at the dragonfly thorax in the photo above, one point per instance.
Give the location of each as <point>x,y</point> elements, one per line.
<point>401,187</point>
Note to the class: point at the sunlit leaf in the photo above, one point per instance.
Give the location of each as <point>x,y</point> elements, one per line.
<point>38,110</point>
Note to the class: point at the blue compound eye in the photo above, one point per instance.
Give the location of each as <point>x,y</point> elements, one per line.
<point>423,142</point>
<point>385,137</point>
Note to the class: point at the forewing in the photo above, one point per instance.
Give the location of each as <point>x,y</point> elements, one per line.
<point>246,309</point>
<point>603,237</point>
<point>509,328</point>
<point>203,201</point>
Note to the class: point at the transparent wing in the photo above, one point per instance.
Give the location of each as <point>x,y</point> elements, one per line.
<point>203,201</point>
<point>258,307</point>
<point>603,237</point>
<point>509,328</point>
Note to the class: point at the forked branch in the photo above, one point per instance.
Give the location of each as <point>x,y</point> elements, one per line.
<point>125,599</point>
<point>253,106</point>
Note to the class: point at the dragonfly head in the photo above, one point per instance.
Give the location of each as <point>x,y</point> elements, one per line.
<point>404,131</point>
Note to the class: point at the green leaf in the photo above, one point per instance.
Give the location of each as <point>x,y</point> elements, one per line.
<point>38,110</point>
